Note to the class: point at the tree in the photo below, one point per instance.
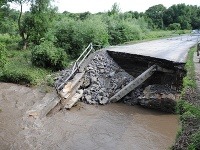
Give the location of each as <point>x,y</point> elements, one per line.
<point>114,10</point>
<point>2,4</point>
<point>186,15</point>
<point>22,33</point>
<point>40,20</point>
<point>155,13</point>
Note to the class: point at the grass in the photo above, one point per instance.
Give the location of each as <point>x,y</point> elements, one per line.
<point>189,111</point>
<point>153,35</point>
<point>19,69</point>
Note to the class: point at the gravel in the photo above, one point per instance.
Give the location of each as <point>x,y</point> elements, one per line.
<point>103,78</point>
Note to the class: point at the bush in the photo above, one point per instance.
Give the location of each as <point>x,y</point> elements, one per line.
<point>64,35</point>
<point>19,69</point>
<point>7,39</point>
<point>174,26</point>
<point>20,76</point>
<point>2,55</point>
<point>74,36</point>
<point>17,72</point>
<point>48,56</point>
<point>90,30</point>
<point>121,31</point>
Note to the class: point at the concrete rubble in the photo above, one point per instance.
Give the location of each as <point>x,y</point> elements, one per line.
<point>103,78</point>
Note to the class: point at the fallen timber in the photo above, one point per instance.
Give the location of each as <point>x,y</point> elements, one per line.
<point>138,81</point>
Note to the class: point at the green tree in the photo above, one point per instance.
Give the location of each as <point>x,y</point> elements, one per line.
<point>155,13</point>
<point>8,21</point>
<point>41,18</point>
<point>74,36</point>
<point>22,34</point>
<point>114,10</point>
<point>186,15</point>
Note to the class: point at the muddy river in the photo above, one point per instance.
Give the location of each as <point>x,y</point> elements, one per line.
<point>84,127</point>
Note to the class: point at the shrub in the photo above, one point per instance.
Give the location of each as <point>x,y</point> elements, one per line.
<point>121,31</point>
<point>19,69</point>
<point>7,39</point>
<point>2,55</point>
<point>20,76</point>
<point>48,56</point>
<point>64,34</point>
<point>90,30</point>
<point>74,36</point>
<point>174,26</point>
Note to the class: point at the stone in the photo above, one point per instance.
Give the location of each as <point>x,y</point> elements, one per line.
<point>88,97</point>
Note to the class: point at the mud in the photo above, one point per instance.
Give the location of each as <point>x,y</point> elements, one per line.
<point>114,126</point>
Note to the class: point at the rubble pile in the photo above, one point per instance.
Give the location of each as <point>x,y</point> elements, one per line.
<point>103,78</point>
<point>62,76</point>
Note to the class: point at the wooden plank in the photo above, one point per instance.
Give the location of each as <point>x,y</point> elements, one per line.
<point>133,84</point>
<point>41,108</point>
<point>74,99</point>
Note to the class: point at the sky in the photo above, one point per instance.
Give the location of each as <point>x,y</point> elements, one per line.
<point>94,6</point>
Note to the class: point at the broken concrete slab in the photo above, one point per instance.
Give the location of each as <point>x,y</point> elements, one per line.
<point>41,108</point>
<point>74,99</point>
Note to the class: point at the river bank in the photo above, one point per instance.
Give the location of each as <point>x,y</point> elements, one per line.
<point>188,136</point>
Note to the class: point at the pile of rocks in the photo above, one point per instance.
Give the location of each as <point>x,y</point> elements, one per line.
<point>103,78</point>
<point>61,77</point>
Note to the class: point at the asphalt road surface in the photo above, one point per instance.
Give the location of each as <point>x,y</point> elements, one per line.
<point>173,49</point>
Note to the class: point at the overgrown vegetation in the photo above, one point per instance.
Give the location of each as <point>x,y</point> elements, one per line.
<point>46,55</point>
<point>19,69</point>
<point>189,110</point>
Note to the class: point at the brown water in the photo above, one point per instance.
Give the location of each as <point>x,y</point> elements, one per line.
<point>85,127</point>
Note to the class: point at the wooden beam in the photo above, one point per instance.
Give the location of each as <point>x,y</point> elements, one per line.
<point>133,84</point>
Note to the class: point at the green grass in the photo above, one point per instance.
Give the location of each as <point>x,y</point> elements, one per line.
<point>19,69</point>
<point>187,110</point>
<point>153,35</point>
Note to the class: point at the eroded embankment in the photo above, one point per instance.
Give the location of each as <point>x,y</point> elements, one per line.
<point>109,72</point>
<point>161,90</point>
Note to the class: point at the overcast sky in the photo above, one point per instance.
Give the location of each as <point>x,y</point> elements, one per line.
<point>95,6</point>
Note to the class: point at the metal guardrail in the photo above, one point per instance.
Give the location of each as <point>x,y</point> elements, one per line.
<point>78,63</point>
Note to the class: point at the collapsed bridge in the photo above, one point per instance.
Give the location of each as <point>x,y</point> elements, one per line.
<point>149,74</point>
